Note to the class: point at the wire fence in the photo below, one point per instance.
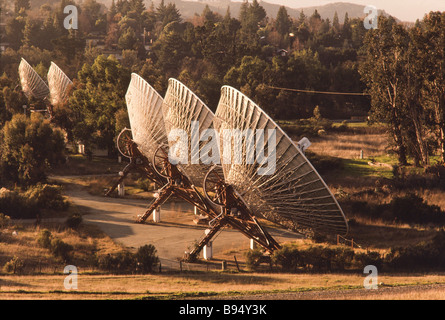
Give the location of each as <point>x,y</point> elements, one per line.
<point>349,242</point>
<point>166,265</point>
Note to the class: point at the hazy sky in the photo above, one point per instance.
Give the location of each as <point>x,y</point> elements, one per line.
<point>405,10</point>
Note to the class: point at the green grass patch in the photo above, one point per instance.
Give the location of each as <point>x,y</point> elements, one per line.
<point>361,168</point>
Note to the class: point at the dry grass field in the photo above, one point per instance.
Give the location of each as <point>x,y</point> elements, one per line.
<point>349,146</point>
<point>211,285</point>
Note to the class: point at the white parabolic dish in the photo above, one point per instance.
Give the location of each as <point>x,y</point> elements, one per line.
<point>294,196</point>
<point>32,84</point>
<point>184,111</point>
<point>144,106</point>
<point>58,83</point>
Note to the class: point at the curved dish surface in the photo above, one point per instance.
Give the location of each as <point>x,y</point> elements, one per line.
<point>144,106</point>
<point>32,84</point>
<point>59,84</point>
<point>273,175</point>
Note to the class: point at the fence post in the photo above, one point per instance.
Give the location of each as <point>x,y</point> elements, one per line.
<point>236,262</point>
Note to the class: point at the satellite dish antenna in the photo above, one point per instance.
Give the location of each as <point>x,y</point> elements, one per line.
<point>59,85</point>
<point>289,192</point>
<point>147,133</point>
<point>183,111</point>
<point>32,84</point>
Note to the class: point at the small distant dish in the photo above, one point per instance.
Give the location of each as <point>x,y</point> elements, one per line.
<point>59,84</point>
<point>32,84</point>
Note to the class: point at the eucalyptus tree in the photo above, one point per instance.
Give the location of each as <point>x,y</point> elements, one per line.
<point>430,43</point>
<point>383,71</point>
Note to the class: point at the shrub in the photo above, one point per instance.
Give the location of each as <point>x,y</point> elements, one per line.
<point>15,265</point>
<point>4,220</point>
<point>16,205</point>
<point>423,256</point>
<point>60,249</point>
<point>47,196</point>
<point>413,209</point>
<point>146,258</point>
<point>342,259</point>
<point>254,258</point>
<point>370,258</point>
<point>121,262</point>
<point>44,238</point>
<point>316,258</point>
<point>409,208</point>
<point>74,221</point>
<point>319,258</point>
<point>288,258</point>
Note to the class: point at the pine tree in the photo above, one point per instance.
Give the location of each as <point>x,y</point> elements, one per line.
<point>336,23</point>
<point>282,22</point>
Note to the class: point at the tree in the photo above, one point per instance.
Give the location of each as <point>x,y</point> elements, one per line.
<point>336,23</point>
<point>128,40</point>
<point>282,22</point>
<point>33,34</point>
<point>252,16</point>
<point>146,258</point>
<point>383,73</point>
<point>170,49</point>
<point>167,13</point>
<point>346,30</point>
<point>96,98</point>
<point>430,44</point>
<point>28,148</point>
<point>14,32</point>
<point>315,22</point>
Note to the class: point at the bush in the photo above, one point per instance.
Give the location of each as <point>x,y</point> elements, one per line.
<point>15,265</point>
<point>44,238</point>
<point>342,259</point>
<point>316,258</point>
<point>74,221</point>
<point>422,257</point>
<point>4,220</point>
<point>254,258</point>
<point>289,258</point>
<point>16,205</point>
<point>146,258</point>
<point>413,209</point>
<point>369,258</point>
<point>47,196</point>
<point>60,249</point>
<point>121,262</point>
<point>409,208</point>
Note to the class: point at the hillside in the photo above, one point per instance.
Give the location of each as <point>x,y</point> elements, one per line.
<point>190,8</point>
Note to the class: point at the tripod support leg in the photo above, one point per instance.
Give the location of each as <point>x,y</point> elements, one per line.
<point>163,196</point>
<point>215,228</point>
<point>125,172</point>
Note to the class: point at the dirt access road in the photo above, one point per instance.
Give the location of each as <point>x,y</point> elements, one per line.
<point>175,234</point>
